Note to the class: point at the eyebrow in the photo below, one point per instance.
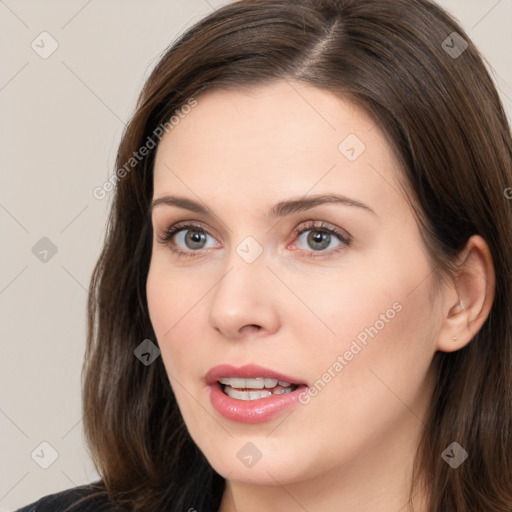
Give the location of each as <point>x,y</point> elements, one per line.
<point>281,209</point>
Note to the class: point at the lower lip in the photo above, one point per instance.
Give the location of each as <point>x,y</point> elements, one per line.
<point>252,411</point>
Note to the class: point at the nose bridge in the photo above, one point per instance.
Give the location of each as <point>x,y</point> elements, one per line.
<point>241,296</point>
<point>245,270</point>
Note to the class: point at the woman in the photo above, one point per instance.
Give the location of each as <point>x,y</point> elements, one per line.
<point>304,297</point>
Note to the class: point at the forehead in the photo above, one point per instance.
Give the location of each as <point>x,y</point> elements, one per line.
<point>289,138</point>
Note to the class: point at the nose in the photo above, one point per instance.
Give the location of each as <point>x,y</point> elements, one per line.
<point>245,302</point>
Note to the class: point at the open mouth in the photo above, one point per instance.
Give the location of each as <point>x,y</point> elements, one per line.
<point>251,393</point>
<point>255,388</point>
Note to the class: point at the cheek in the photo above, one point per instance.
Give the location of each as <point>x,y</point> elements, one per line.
<point>383,348</point>
<point>379,314</point>
<point>160,302</point>
<point>174,305</point>
<point>165,303</point>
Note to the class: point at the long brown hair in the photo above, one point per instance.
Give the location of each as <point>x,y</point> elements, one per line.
<point>440,110</point>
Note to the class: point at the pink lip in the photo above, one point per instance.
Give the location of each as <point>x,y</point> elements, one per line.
<point>249,371</point>
<point>250,411</point>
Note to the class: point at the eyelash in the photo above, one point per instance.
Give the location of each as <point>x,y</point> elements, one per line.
<point>309,226</point>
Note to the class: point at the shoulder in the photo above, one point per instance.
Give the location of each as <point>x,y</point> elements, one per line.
<point>85,498</point>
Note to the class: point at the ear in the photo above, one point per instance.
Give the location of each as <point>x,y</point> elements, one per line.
<point>468,302</point>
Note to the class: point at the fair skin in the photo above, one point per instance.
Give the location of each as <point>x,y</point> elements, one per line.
<point>351,447</point>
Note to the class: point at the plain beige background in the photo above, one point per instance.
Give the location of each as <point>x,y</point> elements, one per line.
<point>62,118</point>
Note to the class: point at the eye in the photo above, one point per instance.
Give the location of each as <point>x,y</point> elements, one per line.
<point>190,237</point>
<point>320,238</point>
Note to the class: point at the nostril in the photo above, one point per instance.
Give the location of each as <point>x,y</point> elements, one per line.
<point>252,327</point>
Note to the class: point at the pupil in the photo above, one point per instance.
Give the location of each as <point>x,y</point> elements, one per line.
<point>317,237</point>
<point>195,237</point>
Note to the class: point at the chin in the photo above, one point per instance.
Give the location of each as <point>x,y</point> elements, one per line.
<point>257,460</point>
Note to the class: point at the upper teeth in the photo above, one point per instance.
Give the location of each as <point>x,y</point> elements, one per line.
<point>258,383</point>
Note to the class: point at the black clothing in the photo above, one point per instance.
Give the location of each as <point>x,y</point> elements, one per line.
<point>66,501</point>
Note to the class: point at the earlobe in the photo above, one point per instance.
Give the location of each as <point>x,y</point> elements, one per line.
<point>470,299</point>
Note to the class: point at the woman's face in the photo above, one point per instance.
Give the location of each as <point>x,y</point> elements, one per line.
<point>331,297</point>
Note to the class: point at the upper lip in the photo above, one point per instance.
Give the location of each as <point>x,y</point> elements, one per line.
<point>249,371</point>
